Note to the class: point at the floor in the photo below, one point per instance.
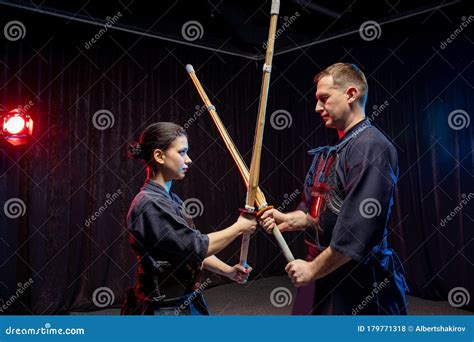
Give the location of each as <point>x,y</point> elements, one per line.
<point>256,299</point>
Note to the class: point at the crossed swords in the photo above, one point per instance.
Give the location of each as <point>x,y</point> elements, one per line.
<point>250,178</point>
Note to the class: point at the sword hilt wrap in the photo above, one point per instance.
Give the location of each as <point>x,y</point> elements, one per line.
<point>276,232</point>
<point>257,214</point>
<point>248,211</point>
<point>263,209</point>
<point>279,238</point>
<point>246,239</point>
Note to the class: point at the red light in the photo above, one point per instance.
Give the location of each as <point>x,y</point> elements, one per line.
<point>15,124</point>
<point>17,127</point>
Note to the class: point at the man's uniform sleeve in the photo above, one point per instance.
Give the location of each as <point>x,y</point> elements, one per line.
<point>370,176</point>
<point>305,201</point>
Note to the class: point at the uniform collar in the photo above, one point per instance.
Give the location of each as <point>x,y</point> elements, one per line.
<point>155,187</point>
<point>353,131</point>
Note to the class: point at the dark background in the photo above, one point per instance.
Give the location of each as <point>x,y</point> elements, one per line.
<point>66,172</point>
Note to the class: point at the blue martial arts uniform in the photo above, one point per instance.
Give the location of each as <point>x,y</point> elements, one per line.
<point>169,251</point>
<point>361,170</point>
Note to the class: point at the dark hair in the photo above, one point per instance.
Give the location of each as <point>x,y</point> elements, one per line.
<point>159,135</point>
<point>344,75</point>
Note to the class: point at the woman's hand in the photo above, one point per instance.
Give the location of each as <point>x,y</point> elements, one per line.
<point>247,224</point>
<point>238,273</point>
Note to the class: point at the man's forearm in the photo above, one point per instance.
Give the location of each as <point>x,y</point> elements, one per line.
<point>296,220</point>
<point>327,262</point>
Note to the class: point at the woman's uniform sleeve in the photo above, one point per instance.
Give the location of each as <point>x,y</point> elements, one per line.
<point>162,232</point>
<point>370,175</point>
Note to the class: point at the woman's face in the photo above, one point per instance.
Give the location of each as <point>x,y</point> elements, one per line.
<point>176,159</point>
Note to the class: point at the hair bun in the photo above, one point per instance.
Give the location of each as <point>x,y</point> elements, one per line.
<point>136,150</point>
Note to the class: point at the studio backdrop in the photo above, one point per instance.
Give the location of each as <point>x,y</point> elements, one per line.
<point>73,183</point>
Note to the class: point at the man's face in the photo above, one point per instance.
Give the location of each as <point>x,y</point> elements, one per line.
<point>331,103</point>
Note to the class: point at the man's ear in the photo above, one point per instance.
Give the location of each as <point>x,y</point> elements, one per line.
<point>159,156</point>
<point>352,94</point>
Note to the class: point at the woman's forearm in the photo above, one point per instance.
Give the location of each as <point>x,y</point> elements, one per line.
<point>219,240</point>
<point>216,265</point>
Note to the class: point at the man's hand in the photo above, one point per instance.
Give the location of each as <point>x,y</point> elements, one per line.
<point>295,220</point>
<point>272,218</point>
<point>300,272</point>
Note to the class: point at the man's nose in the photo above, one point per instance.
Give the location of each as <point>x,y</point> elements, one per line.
<point>319,107</point>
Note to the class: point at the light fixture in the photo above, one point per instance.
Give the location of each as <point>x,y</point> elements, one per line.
<point>17,127</point>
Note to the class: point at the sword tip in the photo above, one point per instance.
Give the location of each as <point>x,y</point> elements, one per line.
<point>189,68</point>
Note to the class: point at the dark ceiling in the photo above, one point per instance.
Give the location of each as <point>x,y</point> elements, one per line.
<point>236,27</point>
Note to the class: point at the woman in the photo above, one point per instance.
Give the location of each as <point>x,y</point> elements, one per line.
<point>170,251</point>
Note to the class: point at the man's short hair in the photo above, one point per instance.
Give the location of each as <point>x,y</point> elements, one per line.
<point>345,75</point>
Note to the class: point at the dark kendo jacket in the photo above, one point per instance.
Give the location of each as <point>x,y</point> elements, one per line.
<point>356,179</point>
<point>169,251</point>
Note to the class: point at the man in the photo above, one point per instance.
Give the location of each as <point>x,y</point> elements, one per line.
<point>348,195</point>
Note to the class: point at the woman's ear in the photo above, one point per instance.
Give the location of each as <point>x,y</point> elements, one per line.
<point>159,156</point>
